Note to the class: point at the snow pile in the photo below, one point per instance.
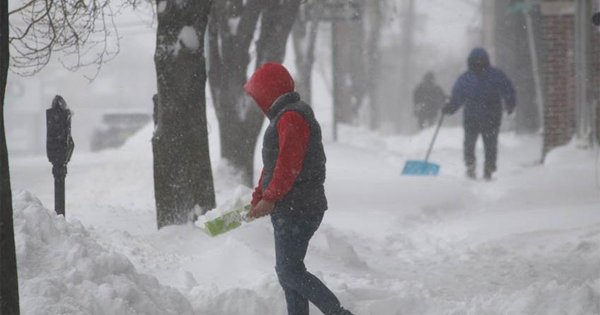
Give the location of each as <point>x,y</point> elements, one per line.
<point>63,270</point>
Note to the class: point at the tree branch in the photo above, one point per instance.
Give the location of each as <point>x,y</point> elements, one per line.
<point>83,31</point>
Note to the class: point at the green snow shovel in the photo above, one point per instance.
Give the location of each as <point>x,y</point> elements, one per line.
<point>227,221</point>
<point>424,168</point>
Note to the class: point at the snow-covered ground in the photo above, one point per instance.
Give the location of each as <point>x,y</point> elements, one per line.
<point>527,242</point>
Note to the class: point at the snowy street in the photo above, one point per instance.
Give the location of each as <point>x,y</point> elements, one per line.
<point>528,242</point>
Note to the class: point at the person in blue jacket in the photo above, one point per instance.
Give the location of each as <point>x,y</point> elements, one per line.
<point>481,90</point>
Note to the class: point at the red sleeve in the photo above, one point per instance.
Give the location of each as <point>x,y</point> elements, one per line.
<point>294,134</point>
<point>257,194</point>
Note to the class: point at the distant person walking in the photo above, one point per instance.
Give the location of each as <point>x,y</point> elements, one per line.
<point>291,186</point>
<point>481,90</point>
<point>428,99</point>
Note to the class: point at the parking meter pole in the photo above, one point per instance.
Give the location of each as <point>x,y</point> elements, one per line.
<point>59,173</point>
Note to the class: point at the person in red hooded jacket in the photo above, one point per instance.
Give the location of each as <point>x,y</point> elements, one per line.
<point>291,186</point>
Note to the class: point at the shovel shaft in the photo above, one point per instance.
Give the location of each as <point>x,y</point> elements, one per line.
<point>437,129</point>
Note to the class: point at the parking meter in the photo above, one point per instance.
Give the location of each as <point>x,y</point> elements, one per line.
<point>59,147</point>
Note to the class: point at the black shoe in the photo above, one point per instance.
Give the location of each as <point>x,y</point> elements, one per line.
<point>471,173</point>
<point>488,171</point>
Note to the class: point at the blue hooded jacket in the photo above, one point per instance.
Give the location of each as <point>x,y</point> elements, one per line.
<point>481,90</point>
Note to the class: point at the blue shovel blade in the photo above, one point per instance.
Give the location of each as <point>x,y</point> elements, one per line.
<point>420,168</point>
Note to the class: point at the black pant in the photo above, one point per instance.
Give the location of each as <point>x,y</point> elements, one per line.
<point>292,234</point>
<point>426,121</point>
<point>425,117</point>
<point>489,134</point>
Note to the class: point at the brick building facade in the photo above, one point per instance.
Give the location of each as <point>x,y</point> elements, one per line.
<point>562,108</point>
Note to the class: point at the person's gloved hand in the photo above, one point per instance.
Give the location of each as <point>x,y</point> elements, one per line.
<point>262,208</point>
<point>256,196</point>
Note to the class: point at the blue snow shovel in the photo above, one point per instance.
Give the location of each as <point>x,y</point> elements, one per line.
<point>424,168</point>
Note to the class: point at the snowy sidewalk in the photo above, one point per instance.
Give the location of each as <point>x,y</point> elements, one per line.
<point>525,243</point>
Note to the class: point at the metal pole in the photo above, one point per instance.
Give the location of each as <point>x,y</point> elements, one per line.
<point>596,97</point>
<point>334,72</point>
<point>539,96</point>
<point>582,73</point>
<point>437,129</point>
<point>59,173</point>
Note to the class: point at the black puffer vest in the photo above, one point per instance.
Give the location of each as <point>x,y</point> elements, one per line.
<point>308,193</point>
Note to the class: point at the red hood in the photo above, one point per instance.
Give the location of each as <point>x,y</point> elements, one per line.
<point>269,82</point>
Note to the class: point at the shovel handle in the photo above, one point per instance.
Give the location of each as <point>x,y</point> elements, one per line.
<point>437,129</point>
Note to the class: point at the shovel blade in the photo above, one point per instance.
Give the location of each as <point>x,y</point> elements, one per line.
<point>420,168</point>
<point>226,222</point>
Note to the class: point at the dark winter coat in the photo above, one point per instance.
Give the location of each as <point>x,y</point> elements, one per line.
<point>481,90</point>
<point>428,99</point>
<point>308,193</point>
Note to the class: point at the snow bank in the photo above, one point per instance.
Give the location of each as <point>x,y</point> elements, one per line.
<point>63,270</point>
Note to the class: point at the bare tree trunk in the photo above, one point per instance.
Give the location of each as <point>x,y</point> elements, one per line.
<point>9,286</point>
<point>404,111</point>
<point>304,35</point>
<point>231,30</point>
<point>373,22</point>
<point>182,169</point>
<point>350,84</point>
